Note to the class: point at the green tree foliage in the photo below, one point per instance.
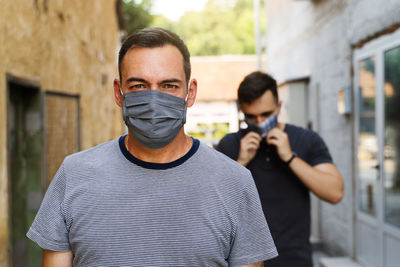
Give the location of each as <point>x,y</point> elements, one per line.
<point>163,22</point>
<point>136,14</point>
<point>223,27</point>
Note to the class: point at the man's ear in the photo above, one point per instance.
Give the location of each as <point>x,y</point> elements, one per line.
<point>279,108</point>
<point>117,93</point>
<point>192,93</point>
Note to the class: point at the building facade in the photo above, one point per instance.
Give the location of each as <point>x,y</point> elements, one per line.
<point>57,65</point>
<point>345,58</point>
<point>216,112</point>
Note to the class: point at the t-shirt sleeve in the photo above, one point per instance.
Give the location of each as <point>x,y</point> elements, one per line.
<point>318,152</point>
<point>49,228</point>
<point>228,146</point>
<point>252,241</point>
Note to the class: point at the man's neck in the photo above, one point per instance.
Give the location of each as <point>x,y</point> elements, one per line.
<point>171,152</point>
<point>281,126</point>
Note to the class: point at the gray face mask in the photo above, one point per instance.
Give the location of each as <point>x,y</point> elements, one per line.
<point>266,126</point>
<point>153,118</point>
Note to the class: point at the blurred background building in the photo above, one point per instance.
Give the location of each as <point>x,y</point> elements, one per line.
<point>216,112</point>
<point>57,64</point>
<point>338,66</point>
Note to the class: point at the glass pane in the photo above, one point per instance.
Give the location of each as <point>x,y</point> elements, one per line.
<point>367,141</point>
<point>392,136</point>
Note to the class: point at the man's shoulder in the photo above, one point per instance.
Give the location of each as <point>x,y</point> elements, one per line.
<point>212,155</point>
<point>308,144</point>
<point>229,144</point>
<point>221,164</point>
<point>235,136</point>
<point>97,153</point>
<point>291,128</point>
<point>301,132</point>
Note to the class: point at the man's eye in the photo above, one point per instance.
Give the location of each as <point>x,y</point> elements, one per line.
<point>137,86</point>
<point>250,116</point>
<point>267,114</point>
<point>170,86</point>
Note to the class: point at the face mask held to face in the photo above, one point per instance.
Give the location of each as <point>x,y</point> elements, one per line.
<point>152,117</point>
<point>263,129</point>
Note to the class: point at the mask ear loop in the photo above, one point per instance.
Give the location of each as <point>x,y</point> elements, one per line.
<point>187,92</point>
<point>120,90</point>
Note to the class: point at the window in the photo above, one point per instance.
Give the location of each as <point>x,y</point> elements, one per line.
<point>62,129</point>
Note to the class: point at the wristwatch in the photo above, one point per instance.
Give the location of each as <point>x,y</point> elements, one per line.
<point>291,158</point>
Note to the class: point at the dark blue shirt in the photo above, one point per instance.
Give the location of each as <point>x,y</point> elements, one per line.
<point>284,198</point>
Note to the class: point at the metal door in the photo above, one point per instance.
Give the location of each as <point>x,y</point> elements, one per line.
<point>25,169</point>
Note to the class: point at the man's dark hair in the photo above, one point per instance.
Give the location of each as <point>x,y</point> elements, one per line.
<point>255,85</point>
<point>155,37</point>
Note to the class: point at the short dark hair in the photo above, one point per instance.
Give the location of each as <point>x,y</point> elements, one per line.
<point>155,37</point>
<point>255,85</point>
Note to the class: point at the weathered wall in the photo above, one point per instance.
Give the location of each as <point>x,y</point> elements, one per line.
<point>3,153</point>
<point>66,46</point>
<point>316,38</point>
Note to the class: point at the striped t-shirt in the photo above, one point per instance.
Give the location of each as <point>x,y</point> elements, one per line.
<point>112,209</point>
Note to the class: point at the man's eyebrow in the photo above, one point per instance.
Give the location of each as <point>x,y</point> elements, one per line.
<point>265,113</point>
<point>171,81</point>
<point>134,79</point>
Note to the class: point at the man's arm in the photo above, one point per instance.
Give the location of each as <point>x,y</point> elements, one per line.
<point>57,258</point>
<point>324,180</point>
<point>257,264</point>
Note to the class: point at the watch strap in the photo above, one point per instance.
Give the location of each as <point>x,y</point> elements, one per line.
<point>291,158</point>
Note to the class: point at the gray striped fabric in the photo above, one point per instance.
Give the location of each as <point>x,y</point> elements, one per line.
<point>112,212</point>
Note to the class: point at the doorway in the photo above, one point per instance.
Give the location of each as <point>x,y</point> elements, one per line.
<point>24,120</point>
<point>377,135</point>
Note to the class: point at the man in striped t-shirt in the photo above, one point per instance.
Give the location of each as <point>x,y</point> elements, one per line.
<point>155,197</point>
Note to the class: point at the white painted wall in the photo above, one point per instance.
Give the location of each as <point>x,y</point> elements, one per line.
<point>316,38</point>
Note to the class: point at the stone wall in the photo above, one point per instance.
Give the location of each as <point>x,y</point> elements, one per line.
<point>64,46</point>
<point>317,38</point>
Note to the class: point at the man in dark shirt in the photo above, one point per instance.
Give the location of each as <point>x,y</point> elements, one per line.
<point>286,162</point>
